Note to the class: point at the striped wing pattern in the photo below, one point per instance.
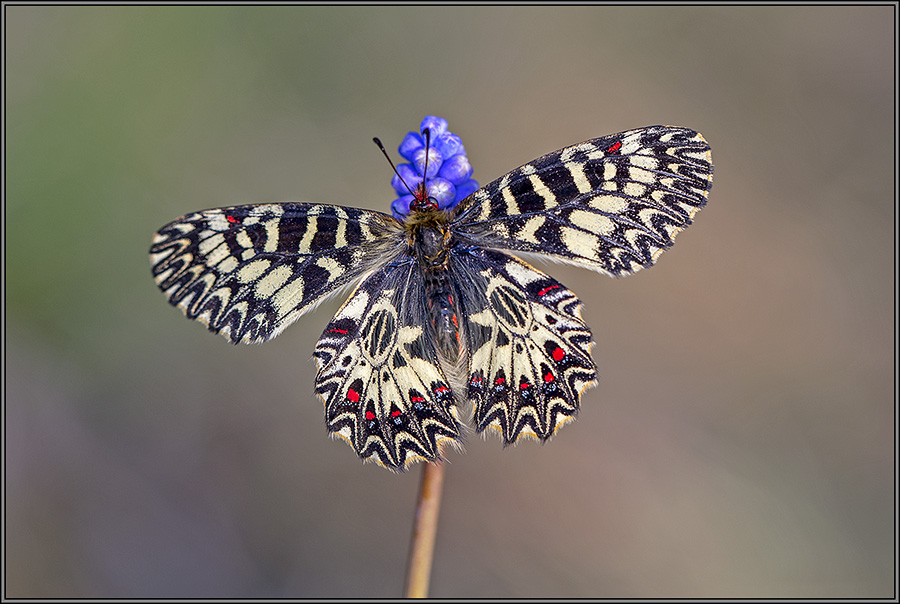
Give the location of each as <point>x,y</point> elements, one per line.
<point>248,272</point>
<point>529,350</point>
<point>380,376</point>
<point>611,204</point>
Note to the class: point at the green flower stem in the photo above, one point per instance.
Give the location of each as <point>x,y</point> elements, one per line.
<point>421,550</point>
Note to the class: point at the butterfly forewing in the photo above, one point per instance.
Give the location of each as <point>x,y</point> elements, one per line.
<point>612,204</point>
<point>250,271</point>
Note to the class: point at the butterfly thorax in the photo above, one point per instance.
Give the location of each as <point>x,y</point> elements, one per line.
<point>428,236</point>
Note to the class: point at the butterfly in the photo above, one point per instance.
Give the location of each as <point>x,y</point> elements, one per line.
<point>443,311</point>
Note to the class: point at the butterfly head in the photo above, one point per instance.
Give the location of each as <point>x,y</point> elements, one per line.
<point>422,201</point>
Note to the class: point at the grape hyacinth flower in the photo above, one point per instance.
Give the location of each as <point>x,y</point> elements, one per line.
<point>449,179</point>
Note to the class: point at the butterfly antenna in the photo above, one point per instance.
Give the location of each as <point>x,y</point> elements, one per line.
<point>388,157</point>
<point>427,133</point>
<point>422,189</point>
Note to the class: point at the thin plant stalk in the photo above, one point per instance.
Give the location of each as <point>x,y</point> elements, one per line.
<point>421,550</point>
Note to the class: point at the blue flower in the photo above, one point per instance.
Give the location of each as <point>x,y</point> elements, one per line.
<point>449,179</point>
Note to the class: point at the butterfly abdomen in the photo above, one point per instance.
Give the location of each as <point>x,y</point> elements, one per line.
<point>430,240</point>
<point>442,314</point>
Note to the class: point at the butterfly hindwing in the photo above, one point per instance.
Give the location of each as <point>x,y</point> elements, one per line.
<point>379,374</point>
<point>612,204</point>
<point>250,271</point>
<point>528,349</point>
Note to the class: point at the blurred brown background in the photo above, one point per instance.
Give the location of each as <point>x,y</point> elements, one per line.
<point>739,444</point>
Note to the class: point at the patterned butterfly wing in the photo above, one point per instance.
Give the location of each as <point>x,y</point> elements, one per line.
<point>380,375</point>
<point>249,271</point>
<point>529,350</point>
<point>612,204</point>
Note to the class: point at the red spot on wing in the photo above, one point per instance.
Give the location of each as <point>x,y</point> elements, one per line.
<point>417,399</point>
<point>558,354</point>
<point>546,289</point>
<point>499,381</point>
<point>231,219</point>
<point>352,395</point>
<point>524,385</point>
<point>614,147</point>
<point>369,415</point>
<point>442,389</point>
<point>548,377</point>
<point>395,413</point>
<point>336,330</point>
